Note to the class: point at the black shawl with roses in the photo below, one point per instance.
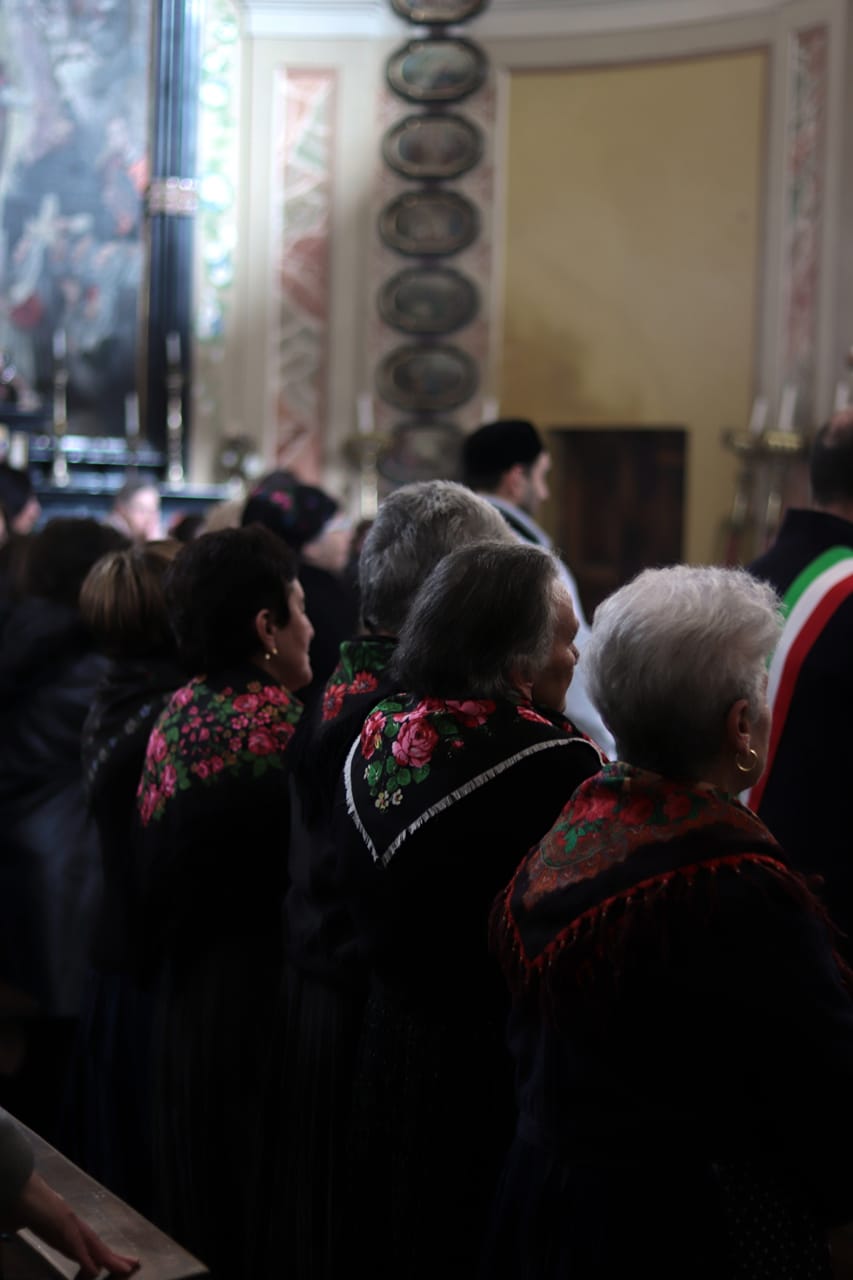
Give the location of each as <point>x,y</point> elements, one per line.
<point>683,1039</point>
<point>443,799</point>
<point>214,813</point>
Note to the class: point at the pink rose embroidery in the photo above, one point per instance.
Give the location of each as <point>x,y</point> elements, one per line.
<point>527,713</point>
<point>201,769</point>
<point>158,747</point>
<point>371,733</point>
<point>217,764</point>
<point>415,742</point>
<point>261,742</point>
<point>169,780</point>
<point>148,803</point>
<point>471,713</point>
<point>183,697</point>
<point>247,702</point>
<point>275,694</point>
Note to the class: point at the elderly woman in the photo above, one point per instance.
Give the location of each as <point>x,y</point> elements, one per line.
<point>416,526</point>
<point>682,1030</point>
<point>448,785</point>
<point>213,804</point>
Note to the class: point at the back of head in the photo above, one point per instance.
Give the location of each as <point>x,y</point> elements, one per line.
<point>668,656</point>
<point>831,462</point>
<point>294,512</point>
<point>490,451</point>
<point>414,528</point>
<point>216,586</point>
<point>486,613</point>
<point>123,601</point>
<point>62,553</point>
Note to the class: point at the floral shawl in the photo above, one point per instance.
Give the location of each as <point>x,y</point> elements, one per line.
<point>415,757</point>
<point>361,664</point>
<point>215,730</point>
<point>629,846</point>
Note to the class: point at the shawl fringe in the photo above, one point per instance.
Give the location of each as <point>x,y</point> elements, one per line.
<point>595,946</point>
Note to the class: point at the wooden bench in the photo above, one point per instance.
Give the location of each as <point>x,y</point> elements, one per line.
<point>25,1257</point>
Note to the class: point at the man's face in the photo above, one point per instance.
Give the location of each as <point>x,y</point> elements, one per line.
<point>536,489</point>
<point>142,514</point>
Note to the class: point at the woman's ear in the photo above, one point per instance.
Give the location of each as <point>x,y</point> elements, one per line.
<point>522,683</point>
<point>265,630</point>
<point>738,726</point>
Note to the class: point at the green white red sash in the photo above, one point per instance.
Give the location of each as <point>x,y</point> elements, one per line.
<point>809,603</point>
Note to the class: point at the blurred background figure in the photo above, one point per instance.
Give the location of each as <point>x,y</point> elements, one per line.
<point>50,870</point>
<point>19,505</point>
<point>312,524</point>
<point>136,511</point>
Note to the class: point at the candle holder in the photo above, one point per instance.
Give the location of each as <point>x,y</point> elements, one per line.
<point>59,467</point>
<point>174,412</point>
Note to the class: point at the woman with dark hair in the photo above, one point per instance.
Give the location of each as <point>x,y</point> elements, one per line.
<point>446,788</point>
<point>213,806</point>
<point>682,1029</point>
<point>123,603</point>
<point>50,874</point>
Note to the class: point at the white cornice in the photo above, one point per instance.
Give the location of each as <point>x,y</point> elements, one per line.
<point>360,19</point>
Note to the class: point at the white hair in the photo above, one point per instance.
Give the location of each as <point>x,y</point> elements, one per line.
<point>668,656</point>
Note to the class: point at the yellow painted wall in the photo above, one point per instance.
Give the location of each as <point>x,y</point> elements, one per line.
<point>632,256</point>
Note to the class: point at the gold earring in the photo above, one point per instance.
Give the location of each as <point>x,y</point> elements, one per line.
<point>747,768</point>
<point>273,653</point>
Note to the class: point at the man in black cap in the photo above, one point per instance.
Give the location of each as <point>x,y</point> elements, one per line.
<point>507,462</point>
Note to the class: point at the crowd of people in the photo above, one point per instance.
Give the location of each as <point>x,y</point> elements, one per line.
<point>365,909</point>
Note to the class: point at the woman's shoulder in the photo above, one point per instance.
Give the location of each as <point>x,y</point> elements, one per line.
<point>213,732</point>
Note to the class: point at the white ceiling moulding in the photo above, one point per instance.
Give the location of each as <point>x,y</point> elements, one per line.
<point>310,19</point>
<point>313,19</point>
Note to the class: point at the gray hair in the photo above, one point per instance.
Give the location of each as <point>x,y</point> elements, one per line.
<point>485,612</point>
<point>414,528</point>
<point>668,656</point>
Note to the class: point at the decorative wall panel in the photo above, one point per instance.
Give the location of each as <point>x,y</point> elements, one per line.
<point>804,198</point>
<point>304,133</point>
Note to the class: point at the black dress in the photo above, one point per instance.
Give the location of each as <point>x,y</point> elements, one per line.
<point>213,805</point>
<point>683,1039</point>
<point>108,1122</point>
<point>310,1093</point>
<point>441,801</point>
<point>49,866</point>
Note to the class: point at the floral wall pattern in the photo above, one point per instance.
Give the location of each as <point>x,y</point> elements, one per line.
<point>804,182</point>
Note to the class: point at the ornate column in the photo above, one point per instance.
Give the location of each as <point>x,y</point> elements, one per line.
<point>172,203</point>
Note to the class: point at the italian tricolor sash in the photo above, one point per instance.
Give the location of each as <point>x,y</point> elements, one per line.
<point>809,603</point>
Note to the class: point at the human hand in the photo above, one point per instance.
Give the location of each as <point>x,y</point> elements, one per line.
<point>49,1217</point>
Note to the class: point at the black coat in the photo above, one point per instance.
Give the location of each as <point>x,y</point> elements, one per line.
<point>804,802</point>
<point>49,868</point>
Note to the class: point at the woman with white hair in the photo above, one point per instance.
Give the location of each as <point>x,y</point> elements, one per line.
<point>682,1028</point>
